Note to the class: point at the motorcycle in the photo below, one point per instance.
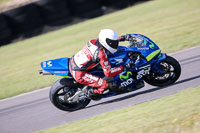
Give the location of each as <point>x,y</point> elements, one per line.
<point>146,61</point>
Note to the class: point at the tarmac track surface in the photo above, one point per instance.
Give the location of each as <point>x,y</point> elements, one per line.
<point>33,111</point>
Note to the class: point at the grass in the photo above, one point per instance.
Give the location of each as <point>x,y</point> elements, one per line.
<point>4,1</point>
<point>173,25</point>
<point>178,113</point>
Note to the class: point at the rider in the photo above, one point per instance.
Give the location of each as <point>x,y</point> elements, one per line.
<point>94,53</point>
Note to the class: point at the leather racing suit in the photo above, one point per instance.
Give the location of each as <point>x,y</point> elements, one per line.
<point>92,54</point>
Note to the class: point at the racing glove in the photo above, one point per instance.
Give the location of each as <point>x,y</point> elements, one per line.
<point>125,37</point>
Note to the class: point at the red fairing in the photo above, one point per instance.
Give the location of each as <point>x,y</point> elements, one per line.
<point>108,71</point>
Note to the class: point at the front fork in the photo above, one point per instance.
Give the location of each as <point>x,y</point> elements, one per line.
<point>156,67</point>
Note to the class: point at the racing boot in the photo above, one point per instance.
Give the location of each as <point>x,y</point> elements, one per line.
<point>93,96</point>
<point>113,87</point>
<point>101,91</point>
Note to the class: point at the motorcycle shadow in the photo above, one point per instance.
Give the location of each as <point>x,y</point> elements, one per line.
<point>143,92</point>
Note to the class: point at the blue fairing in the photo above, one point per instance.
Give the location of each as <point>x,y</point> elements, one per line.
<point>151,53</point>
<point>146,49</point>
<point>57,66</point>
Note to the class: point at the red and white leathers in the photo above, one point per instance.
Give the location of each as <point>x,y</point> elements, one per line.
<point>90,56</point>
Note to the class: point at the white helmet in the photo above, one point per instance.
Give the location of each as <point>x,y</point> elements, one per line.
<point>109,39</point>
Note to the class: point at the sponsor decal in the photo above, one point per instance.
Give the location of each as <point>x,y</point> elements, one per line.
<point>145,48</point>
<point>49,63</point>
<point>145,70</point>
<point>119,61</point>
<point>86,51</point>
<point>124,77</point>
<point>90,78</point>
<point>115,70</point>
<point>44,64</point>
<point>128,79</point>
<point>152,46</point>
<point>127,82</point>
<point>60,71</point>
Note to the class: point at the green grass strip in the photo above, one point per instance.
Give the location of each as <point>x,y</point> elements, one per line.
<point>172,24</point>
<point>178,113</point>
<point>4,1</point>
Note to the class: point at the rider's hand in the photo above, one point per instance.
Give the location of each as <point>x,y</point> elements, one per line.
<point>125,37</point>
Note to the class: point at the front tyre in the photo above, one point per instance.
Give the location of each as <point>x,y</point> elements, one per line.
<point>61,90</point>
<point>172,71</point>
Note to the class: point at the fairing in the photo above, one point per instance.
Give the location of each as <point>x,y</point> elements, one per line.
<point>57,66</point>
<point>146,47</point>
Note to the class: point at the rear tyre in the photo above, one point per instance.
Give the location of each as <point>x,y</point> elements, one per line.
<point>63,89</point>
<point>172,71</point>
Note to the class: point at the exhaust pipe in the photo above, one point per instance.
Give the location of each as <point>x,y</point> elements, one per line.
<point>43,72</point>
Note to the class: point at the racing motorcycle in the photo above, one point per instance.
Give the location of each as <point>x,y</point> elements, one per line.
<point>147,64</point>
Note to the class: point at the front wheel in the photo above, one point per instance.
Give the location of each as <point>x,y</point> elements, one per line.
<point>171,69</point>
<point>61,90</point>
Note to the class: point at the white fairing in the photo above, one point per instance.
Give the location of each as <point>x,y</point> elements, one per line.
<point>108,33</point>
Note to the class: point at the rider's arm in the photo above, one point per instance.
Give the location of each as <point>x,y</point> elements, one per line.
<point>122,38</point>
<point>108,71</point>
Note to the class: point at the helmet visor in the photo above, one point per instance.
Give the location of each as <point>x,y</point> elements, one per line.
<point>112,43</point>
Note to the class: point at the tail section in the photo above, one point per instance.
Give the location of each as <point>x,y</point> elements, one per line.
<point>56,66</point>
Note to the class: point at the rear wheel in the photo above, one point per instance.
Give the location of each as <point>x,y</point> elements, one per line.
<point>61,90</point>
<point>172,71</point>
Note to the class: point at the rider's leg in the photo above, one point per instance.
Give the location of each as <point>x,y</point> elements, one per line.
<point>86,78</point>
